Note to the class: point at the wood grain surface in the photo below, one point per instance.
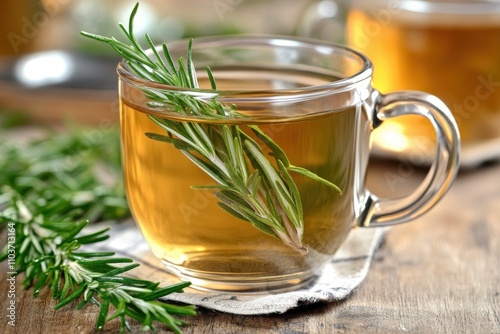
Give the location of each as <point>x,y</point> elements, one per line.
<point>438,274</point>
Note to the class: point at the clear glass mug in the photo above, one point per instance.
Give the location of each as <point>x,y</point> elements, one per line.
<point>316,101</point>
<point>448,48</point>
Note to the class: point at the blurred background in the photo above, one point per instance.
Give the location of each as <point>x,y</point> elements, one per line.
<point>449,48</point>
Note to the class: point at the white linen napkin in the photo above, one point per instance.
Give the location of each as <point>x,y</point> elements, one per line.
<point>339,278</point>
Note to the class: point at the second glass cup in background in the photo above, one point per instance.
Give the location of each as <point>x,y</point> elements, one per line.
<point>447,48</point>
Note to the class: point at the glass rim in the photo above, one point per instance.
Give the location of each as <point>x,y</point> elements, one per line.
<point>433,7</point>
<point>340,85</point>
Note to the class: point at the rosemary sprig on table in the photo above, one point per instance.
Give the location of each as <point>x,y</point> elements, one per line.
<point>72,176</point>
<point>47,251</point>
<point>249,186</point>
<point>50,189</point>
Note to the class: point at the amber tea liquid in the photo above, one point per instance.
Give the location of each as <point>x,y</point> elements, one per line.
<point>457,59</point>
<point>199,241</point>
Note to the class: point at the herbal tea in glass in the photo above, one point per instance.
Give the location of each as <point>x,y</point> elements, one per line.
<point>193,236</point>
<point>245,161</point>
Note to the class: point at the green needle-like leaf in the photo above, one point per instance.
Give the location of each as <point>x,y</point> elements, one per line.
<point>278,153</point>
<point>206,167</point>
<point>103,313</point>
<point>76,294</point>
<point>315,177</point>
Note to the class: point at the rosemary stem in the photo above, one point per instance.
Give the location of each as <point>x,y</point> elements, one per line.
<point>252,187</point>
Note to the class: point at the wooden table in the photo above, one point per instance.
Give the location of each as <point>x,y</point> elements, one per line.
<point>438,274</point>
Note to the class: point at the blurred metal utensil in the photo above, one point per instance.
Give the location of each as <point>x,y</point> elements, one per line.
<point>56,85</point>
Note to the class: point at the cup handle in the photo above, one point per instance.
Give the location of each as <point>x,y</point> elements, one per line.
<point>384,212</point>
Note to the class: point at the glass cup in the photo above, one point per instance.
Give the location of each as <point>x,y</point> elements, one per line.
<point>448,48</point>
<point>313,99</point>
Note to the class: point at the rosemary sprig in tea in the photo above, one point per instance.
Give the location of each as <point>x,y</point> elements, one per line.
<point>248,186</point>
